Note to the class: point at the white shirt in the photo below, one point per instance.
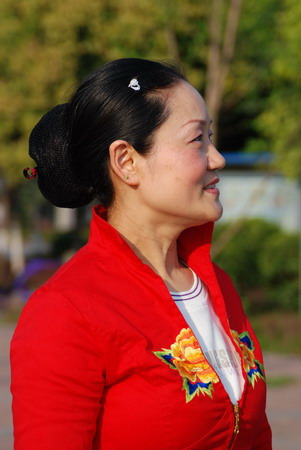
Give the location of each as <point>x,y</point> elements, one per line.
<point>195,305</point>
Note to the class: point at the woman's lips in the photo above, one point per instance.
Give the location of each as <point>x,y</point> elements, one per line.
<point>211,190</point>
<point>211,187</point>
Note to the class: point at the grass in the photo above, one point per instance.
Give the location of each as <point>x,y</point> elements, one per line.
<point>282,380</point>
<point>10,316</point>
<point>278,332</point>
<point>10,309</point>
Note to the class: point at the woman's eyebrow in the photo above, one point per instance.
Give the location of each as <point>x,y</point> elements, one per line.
<point>200,121</point>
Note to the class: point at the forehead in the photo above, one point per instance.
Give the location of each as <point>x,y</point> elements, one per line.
<point>186,104</point>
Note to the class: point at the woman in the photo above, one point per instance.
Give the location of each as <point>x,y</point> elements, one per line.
<point>139,341</point>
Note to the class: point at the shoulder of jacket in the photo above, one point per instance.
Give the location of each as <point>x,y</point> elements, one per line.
<point>222,276</point>
<point>228,288</point>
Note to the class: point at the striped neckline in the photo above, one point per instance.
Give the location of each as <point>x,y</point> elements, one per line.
<point>192,293</point>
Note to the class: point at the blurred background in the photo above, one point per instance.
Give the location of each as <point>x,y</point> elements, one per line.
<point>244,57</point>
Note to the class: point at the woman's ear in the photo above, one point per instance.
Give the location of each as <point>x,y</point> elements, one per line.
<point>123,162</point>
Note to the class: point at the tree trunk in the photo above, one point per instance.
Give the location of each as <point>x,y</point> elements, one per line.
<point>172,45</point>
<point>221,51</point>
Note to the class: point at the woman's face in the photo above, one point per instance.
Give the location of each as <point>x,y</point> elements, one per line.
<point>179,175</point>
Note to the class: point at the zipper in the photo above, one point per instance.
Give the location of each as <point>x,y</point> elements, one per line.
<point>236,425</point>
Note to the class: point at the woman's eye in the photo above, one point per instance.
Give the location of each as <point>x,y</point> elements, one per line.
<point>198,138</point>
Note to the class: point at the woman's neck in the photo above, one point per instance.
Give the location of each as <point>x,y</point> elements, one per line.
<point>156,245</point>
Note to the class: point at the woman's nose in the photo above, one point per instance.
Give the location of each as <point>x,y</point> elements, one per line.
<point>216,161</point>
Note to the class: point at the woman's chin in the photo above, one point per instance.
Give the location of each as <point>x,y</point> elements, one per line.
<point>218,214</point>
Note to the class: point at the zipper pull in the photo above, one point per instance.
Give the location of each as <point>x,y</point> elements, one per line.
<point>236,418</point>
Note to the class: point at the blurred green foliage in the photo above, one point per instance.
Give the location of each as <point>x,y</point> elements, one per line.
<point>67,243</point>
<point>278,122</point>
<point>278,331</point>
<point>262,261</point>
<point>46,47</point>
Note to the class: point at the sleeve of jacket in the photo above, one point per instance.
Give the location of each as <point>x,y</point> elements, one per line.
<point>57,376</point>
<point>263,440</point>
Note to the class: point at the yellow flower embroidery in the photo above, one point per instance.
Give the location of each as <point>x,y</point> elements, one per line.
<point>186,356</point>
<point>190,360</point>
<point>254,369</point>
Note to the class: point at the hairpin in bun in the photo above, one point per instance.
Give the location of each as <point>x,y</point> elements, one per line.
<point>33,173</point>
<point>134,84</point>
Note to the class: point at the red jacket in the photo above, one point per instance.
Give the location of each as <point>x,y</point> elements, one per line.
<point>101,358</point>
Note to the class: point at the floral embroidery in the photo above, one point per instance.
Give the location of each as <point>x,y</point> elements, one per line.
<point>186,356</point>
<point>253,368</point>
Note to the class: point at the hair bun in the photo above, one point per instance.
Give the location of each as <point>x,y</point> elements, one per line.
<point>48,146</point>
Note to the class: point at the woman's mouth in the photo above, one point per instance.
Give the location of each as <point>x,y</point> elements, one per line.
<point>211,188</point>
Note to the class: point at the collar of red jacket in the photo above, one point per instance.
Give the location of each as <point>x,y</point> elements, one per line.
<point>193,243</point>
<point>193,249</point>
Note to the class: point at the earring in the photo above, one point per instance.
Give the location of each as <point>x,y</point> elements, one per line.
<point>126,177</point>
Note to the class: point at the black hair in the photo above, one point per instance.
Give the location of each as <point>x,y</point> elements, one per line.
<point>74,169</point>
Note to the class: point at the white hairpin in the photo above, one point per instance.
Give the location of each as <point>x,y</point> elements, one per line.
<point>134,84</point>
